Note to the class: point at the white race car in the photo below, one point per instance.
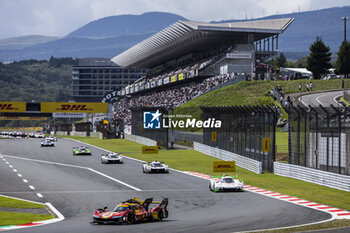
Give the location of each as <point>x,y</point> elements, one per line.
<point>51,138</point>
<point>155,167</point>
<point>225,183</point>
<point>111,158</point>
<point>47,143</point>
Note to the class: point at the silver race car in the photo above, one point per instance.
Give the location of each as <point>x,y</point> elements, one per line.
<point>225,183</point>
<point>47,143</point>
<point>111,158</point>
<point>155,167</point>
<point>51,138</point>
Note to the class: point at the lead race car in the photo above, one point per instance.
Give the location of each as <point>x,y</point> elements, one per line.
<point>112,158</point>
<point>132,211</point>
<point>155,167</point>
<point>51,138</point>
<point>81,150</point>
<point>225,183</point>
<point>45,143</point>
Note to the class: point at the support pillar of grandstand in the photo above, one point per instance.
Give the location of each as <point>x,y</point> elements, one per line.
<point>240,59</point>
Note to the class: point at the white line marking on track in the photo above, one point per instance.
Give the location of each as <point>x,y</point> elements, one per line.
<point>127,157</point>
<point>70,165</point>
<point>317,99</point>
<point>25,181</point>
<point>334,99</point>
<point>20,175</point>
<point>111,178</point>
<point>14,170</point>
<point>7,162</point>
<point>39,195</point>
<point>57,213</point>
<point>31,187</point>
<point>302,101</point>
<point>10,166</point>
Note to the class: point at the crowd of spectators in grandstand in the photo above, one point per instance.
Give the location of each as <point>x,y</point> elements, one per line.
<point>169,98</point>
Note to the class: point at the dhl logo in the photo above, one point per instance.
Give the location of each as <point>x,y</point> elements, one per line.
<point>223,166</point>
<point>73,107</point>
<point>7,107</point>
<point>227,166</point>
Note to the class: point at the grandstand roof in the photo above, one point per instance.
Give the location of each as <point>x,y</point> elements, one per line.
<point>184,37</point>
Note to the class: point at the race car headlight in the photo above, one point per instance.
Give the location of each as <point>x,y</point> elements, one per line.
<point>95,216</point>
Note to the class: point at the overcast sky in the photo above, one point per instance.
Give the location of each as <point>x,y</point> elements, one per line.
<point>60,17</point>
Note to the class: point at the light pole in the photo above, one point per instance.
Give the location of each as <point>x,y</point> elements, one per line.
<point>345,19</point>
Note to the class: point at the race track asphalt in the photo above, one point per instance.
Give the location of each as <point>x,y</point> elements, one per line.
<point>323,98</point>
<point>66,182</point>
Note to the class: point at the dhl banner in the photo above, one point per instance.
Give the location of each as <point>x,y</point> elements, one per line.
<point>74,107</point>
<point>224,166</point>
<point>173,78</point>
<point>149,149</point>
<point>13,106</point>
<point>181,76</point>
<point>266,144</point>
<point>10,118</point>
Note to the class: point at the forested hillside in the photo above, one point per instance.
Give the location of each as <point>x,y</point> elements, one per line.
<point>37,81</point>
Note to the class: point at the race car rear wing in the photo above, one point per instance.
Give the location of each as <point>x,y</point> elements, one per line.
<point>77,148</point>
<point>147,202</point>
<point>164,203</point>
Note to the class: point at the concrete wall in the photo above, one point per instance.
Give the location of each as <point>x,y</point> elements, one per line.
<point>241,161</point>
<point>61,133</point>
<point>311,175</point>
<point>80,134</point>
<point>182,136</point>
<point>141,140</point>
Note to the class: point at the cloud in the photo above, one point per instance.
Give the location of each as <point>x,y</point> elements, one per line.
<point>60,17</point>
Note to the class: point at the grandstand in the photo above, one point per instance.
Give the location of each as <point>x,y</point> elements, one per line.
<point>190,58</point>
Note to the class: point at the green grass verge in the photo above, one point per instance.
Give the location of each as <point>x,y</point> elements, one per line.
<point>12,218</point>
<point>282,142</point>
<point>254,92</point>
<point>189,160</point>
<point>14,203</point>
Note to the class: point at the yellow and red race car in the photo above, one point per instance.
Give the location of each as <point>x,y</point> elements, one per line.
<point>132,211</point>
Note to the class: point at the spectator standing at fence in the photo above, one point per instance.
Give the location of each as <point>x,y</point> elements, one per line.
<point>300,86</point>
<point>307,87</point>
<point>310,86</point>
<point>286,104</point>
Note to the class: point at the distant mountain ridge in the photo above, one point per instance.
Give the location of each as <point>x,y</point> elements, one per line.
<point>114,26</point>
<point>109,36</point>
<point>24,41</point>
<point>105,37</point>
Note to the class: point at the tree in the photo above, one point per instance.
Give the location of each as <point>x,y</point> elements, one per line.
<point>343,60</point>
<point>281,60</point>
<point>318,62</point>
